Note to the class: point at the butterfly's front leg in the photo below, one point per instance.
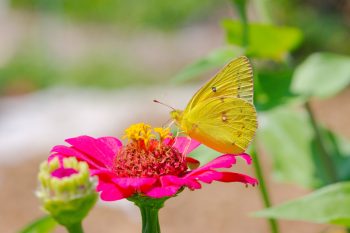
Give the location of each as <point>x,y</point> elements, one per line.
<point>189,140</point>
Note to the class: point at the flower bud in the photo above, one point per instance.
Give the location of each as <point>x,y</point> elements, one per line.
<point>66,190</point>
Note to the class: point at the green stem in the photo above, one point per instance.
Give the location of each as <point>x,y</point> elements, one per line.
<point>149,208</point>
<point>241,6</point>
<point>263,190</point>
<point>75,228</point>
<point>325,157</point>
<point>150,220</point>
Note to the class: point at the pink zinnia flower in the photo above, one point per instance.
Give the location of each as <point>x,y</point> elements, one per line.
<point>148,165</point>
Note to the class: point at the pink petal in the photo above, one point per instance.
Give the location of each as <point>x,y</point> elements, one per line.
<point>64,151</point>
<point>170,180</point>
<point>245,156</point>
<point>112,143</point>
<point>110,192</point>
<point>160,192</point>
<point>63,172</point>
<point>102,149</point>
<point>223,161</point>
<point>103,174</point>
<point>135,184</point>
<point>184,143</point>
<point>209,176</point>
<point>236,177</point>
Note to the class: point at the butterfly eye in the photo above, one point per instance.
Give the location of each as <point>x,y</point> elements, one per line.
<point>213,89</point>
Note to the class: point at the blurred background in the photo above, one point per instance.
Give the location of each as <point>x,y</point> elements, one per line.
<point>69,68</point>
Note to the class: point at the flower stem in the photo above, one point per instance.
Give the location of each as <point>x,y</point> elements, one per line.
<point>149,208</point>
<point>75,228</point>
<point>150,220</point>
<point>324,155</point>
<point>263,190</point>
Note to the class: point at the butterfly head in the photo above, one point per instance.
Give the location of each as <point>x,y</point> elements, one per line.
<point>176,115</point>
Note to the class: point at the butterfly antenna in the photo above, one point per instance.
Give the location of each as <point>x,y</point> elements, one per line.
<point>156,101</point>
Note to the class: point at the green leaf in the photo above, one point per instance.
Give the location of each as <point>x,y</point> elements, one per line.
<point>272,88</point>
<point>44,224</point>
<point>330,204</point>
<point>339,149</point>
<point>264,40</point>
<point>322,75</point>
<point>286,135</point>
<point>217,58</point>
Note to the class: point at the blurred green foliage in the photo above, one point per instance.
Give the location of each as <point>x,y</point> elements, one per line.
<point>106,72</point>
<point>325,24</point>
<point>272,87</point>
<point>214,59</point>
<point>162,14</point>
<point>27,71</point>
<point>31,70</point>
<point>321,24</point>
<point>322,75</point>
<point>288,137</point>
<point>327,205</point>
<point>264,40</point>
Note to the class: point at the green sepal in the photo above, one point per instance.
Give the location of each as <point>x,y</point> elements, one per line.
<point>70,212</point>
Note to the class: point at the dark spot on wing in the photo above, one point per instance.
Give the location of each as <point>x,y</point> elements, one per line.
<point>213,89</point>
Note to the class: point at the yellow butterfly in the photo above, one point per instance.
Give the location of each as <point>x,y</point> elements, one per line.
<point>221,115</point>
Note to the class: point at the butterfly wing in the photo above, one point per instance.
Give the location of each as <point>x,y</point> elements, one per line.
<point>235,79</point>
<point>226,124</point>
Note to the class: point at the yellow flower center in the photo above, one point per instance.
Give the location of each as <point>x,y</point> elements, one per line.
<point>142,132</point>
<point>147,155</point>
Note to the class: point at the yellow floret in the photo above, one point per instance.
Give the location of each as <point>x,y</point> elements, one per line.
<point>140,131</point>
<point>163,133</point>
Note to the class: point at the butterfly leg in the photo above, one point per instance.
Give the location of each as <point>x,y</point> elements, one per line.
<point>188,145</point>
<point>168,124</point>
<point>177,134</point>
